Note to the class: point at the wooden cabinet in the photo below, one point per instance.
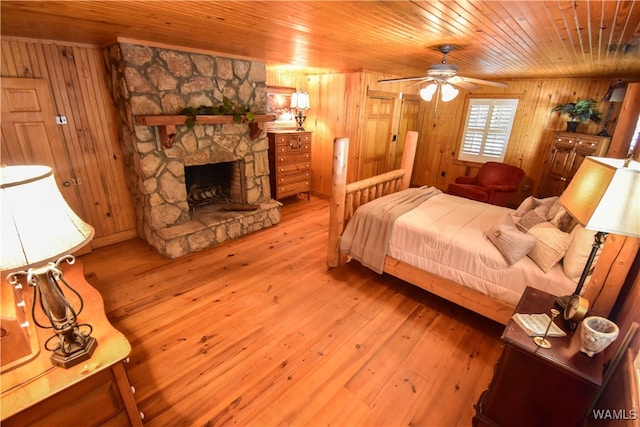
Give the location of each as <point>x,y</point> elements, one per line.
<point>289,163</point>
<point>568,150</point>
<point>533,386</point>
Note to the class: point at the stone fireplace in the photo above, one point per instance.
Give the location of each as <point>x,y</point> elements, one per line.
<point>212,183</point>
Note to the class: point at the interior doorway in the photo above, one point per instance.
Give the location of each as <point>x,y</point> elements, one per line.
<point>388,117</point>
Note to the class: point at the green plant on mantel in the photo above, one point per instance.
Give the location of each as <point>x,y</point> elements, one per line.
<point>581,111</point>
<point>227,108</point>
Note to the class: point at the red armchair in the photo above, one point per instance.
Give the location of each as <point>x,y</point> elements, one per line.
<point>494,183</point>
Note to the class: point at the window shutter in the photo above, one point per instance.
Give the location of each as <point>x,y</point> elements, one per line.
<point>487,129</point>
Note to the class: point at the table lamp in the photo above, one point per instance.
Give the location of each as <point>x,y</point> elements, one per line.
<point>300,102</point>
<point>39,230</point>
<point>604,196</point>
<point>615,94</point>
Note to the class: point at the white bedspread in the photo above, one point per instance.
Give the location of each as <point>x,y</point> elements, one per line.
<point>446,236</point>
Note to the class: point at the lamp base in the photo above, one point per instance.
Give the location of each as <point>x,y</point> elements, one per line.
<point>542,342</point>
<point>62,360</point>
<point>300,118</point>
<point>563,301</point>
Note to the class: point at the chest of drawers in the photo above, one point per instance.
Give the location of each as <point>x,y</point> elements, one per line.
<point>289,163</point>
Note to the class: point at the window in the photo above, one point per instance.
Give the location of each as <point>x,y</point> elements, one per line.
<point>487,129</point>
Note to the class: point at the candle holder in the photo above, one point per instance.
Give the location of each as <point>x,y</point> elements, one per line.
<point>543,341</point>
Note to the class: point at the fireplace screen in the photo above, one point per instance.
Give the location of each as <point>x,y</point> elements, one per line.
<point>216,183</point>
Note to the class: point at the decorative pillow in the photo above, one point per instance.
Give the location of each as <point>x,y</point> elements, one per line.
<point>578,252</point>
<point>560,217</point>
<point>528,220</point>
<point>551,245</point>
<point>543,208</point>
<point>529,204</point>
<point>512,243</point>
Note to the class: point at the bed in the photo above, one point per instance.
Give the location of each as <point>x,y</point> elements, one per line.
<point>437,245</point>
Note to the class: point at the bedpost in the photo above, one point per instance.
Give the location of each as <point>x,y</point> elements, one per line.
<point>408,157</point>
<point>337,200</point>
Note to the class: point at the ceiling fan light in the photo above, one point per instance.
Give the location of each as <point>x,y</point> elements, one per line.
<point>427,92</point>
<point>448,92</point>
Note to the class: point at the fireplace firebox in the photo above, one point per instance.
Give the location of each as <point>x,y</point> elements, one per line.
<point>215,183</point>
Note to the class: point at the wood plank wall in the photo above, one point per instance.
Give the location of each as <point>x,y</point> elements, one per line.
<point>76,77</point>
<point>336,100</point>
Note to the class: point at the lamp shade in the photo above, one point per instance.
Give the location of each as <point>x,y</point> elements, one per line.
<point>300,100</point>
<point>604,195</point>
<point>427,92</point>
<point>616,92</point>
<point>37,224</point>
<point>448,92</point>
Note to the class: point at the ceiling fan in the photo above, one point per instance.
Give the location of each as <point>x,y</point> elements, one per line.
<point>447,73</point>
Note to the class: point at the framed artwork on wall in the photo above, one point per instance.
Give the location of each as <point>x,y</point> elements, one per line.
<point>278,103</point>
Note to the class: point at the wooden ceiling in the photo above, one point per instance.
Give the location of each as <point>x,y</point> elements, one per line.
<point>492,39</point>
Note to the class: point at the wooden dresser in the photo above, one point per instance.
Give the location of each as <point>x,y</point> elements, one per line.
<point>94,392</point>
<point>533,386</point>
<point>289,163</point>
<point>568,150</point>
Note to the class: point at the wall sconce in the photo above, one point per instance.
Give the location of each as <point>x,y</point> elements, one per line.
<point>300,102</point>
<point>39,229</point>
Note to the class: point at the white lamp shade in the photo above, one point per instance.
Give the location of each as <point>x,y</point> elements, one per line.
<point>427,92</point>
<point>300,100</point>
<point>37,224</point>
<point>604,195</point>
<point>448,92</point>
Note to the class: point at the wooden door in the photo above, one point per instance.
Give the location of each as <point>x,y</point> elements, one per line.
<point>30,134</point>
<point>408,121</point>
<point>375,149</point>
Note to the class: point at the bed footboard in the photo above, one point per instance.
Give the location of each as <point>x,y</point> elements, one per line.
<point>346,198</point>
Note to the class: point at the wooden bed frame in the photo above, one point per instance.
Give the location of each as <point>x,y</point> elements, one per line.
<point>602,290</point>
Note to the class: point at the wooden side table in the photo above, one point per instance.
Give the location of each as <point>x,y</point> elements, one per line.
<point>94,392</point>
<point>533,386</point>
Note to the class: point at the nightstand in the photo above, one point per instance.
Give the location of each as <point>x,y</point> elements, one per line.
<point>533,386</point>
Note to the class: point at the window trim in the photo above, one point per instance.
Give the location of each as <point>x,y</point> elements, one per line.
<point>461,129</point>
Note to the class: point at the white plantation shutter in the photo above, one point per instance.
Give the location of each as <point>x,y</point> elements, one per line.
<point>487,129</point>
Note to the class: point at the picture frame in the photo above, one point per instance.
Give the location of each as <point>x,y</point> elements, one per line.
<point>278,104</point>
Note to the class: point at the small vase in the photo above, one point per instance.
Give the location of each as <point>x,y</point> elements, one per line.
<point>597,333</point>
<point>572,126</point>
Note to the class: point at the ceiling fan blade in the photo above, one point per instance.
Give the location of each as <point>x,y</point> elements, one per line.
<point>456,81</point>
<point>482,82</point>
<point>402,79</point>
<point>419,82</point>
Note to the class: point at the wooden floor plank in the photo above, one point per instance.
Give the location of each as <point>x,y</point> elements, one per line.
<point>257,331</point>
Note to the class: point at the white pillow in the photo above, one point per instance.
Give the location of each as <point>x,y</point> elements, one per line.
<point>578,252</point>
<point>551,245</point>
<point>512,243</point>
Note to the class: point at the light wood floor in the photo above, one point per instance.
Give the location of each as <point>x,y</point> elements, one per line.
<point>258,332</point>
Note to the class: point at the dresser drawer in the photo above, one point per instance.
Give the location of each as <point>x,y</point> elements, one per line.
<point>286,179</point>
<point>285,168</point>
<point>292,145</point>
<point>290,189</point>
<point>282,159</point>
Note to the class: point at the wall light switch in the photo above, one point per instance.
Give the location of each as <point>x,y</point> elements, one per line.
<point>61,120</point>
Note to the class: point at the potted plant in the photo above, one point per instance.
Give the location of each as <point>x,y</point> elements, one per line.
<point>579,112</point>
